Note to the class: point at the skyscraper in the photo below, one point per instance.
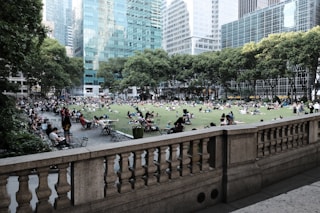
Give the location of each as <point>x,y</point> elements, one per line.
<point>193,26</point>
<point>288,16</point>
<point>248,6</point>
<point>57,15</point>
<point>114,28</point>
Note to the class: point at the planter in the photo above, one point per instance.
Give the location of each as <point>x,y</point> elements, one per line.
<point>137,132</point>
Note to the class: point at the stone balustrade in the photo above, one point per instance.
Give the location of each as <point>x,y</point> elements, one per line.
<point>181,172</point>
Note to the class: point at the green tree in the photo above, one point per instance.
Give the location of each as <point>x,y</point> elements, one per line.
<point>111,71</point>
<point>146,70</point>
<point>310,55</point>
<point>21,35</point>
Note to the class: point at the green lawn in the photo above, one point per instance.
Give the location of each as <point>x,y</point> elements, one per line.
<point>200,120</point>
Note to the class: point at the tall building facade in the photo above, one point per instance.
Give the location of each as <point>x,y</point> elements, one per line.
<point>192,26</point>
<point>57,15</point>
<point>248,6</point>
<point>114,28</point>
<point>288,16</point>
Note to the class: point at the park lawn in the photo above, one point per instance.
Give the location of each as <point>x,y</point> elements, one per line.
<point>200,120</point>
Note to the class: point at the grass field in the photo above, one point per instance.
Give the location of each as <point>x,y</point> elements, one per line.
<point>200,120</point>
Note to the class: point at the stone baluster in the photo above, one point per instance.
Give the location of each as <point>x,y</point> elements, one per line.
<point>62,187</point>
<point>139,171</point>
<point>260,144</point>
<point>111,177</point>
<point>185,159</point>
<point>279,139</point>
<point>175,161</point>
<point>24,195</point>
<point>163,164</point>
<point>43,191</point>
<point>295,135</point>
<point>152,168</point>
<point>273,140</point>
<point>266,148</point>
<point>195,157</point>
<point>290,136</point>
<point>284,143</point>
<point>4,197</point>
<point>305,133</point>
<point>299,134</point>
<point>205,155</point>
<point>126,174</point>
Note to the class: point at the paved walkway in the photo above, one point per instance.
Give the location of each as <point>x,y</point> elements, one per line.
<point>298,194</point>
<point>94,134</point>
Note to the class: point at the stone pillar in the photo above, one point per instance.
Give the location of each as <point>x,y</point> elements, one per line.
<point>111,177</point>
<point>62,188</point>
<point>205,155</point>
<point>4,197</point>
<point>163,164</point>
<point>139,171</point>
<point>241,176</point>
<point>88,180</point>
<point>175,161</point>
<point>185,159</point>
<point>313,131</point>
<point>43,191</point>
<point>195,157</point>
<point>152,169</point>
<point>125,173</point>
<point>24,195</point>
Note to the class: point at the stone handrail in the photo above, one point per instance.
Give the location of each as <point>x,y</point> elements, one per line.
<point>177,172</point>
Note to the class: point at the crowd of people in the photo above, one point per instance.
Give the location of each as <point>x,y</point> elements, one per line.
<point>143,116</point>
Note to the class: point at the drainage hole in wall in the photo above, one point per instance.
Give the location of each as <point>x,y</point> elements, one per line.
<point>201,197</point>
<point>214,194</point>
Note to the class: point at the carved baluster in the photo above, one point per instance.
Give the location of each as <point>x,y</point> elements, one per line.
<point>266,149</point>
<point>205,155</point>
<point>163,164</point>
<point>290,136</point>
<point>185,159</point>
<point>111,177</point>
<point>273,140</point>
<point>139,171</point>
<point>195,157</point>
<point>175,162</point>
<point>278,139</point>
<point>24,195</point>
<point>43,191</point>
<point>284,138</point>
<point>152,169</point>
<point>295,135</point>
<point>125,173</point>
<point>260,144</point>
<point>305,133</point>
<point>4,197</point>
<point>62,187</point>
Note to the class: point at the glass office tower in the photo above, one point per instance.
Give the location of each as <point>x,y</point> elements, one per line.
<point>115,28</point>
<point>288,16</point>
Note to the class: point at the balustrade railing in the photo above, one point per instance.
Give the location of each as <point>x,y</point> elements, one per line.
<point>137,169</point>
